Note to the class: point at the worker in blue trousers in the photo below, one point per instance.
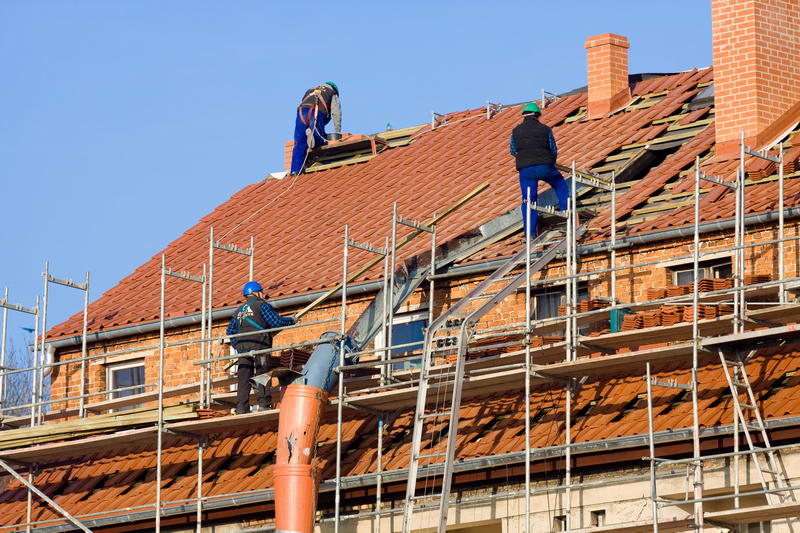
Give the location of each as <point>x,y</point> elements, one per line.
<point>533,145</point>
<point>320,104</point>
<point>252,319</point>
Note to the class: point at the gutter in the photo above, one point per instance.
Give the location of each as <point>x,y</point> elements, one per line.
<point>456,271</point>
<point>263,496</point>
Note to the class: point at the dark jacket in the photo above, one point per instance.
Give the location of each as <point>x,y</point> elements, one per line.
<point>533,143</point>
<point>253,317</point>
<point>325,99</point>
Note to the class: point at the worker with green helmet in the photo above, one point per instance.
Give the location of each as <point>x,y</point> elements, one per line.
<point>535,150</point>
<point>319,105</point>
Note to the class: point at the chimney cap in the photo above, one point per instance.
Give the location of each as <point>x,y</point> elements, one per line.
<point>607,38</point>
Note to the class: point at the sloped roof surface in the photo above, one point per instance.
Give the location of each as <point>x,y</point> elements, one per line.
<point>243,460</point>
<point>298,223</point>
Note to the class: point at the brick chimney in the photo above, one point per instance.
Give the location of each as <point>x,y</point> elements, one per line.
<point>607,68</point>
<point>756,70</point>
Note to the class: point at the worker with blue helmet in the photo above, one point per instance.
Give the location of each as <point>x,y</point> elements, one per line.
<point>252,320</point>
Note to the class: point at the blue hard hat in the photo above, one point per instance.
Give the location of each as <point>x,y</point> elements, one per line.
<point>251,287</point>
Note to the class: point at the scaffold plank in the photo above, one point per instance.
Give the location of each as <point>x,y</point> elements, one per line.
<point>748,338</point>
<point>57,450</point>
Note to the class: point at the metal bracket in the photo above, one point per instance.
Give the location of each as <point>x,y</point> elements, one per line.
<point>367,247</point>
<point>536,373</point>
<point>672,384</point>
<point>590,346</point>
<point>183,275</point>
<point>492,109</point>
<point>437,119</point>
<point>413,224</point>
<point>376,412</point>
<point>718,181</point>
<point>762,155</point>
<point>179,433</point>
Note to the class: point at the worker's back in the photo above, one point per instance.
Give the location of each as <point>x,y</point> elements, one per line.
<point>532,141</point>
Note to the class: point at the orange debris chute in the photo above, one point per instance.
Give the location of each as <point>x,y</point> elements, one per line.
<point>296,479</point>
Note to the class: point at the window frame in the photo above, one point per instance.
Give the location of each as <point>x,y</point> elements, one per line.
<point>111,385</point>
<point>399,319</point>
<point>707,269</point>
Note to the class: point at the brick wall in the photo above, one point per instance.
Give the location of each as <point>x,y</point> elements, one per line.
<point>756,70</point>
<point>632,285</point>
<point>607,73</point>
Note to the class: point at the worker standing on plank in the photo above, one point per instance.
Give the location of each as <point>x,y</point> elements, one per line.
<point>255,316</point>
<point>533,145</point>
<point>319,105</point>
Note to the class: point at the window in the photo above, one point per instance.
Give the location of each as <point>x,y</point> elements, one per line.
<point>560,523</point>
<point>547,302</point>
<point>406,328</point>
<point>717,268</point>
<point>125,376</point>
<point>597,518</point>
<point>759,527</point>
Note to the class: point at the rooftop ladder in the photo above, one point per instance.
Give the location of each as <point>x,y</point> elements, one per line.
<point>766,460</point>
<point>441,383</point>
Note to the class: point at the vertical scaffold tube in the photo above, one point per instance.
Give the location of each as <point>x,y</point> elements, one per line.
<point>84,352</point>
<point>651,439</point>
<point>698,465</point>
<point>528,362</point>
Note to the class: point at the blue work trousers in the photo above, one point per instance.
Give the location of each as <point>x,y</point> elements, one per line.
<point>529,178</point>
<point>316,124</point>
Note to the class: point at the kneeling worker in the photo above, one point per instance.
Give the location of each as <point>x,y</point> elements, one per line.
<point>320,104</point>
<point>255,316</point>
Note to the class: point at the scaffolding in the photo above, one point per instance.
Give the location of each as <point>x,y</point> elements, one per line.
<point>432,373</point>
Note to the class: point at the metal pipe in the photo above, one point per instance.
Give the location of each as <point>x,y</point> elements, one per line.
<point>38,373</point>
<point>210,306</point>
<point>199,518</point>
<point>84,348</point>
<point>390,295</point>
<point>781,266</point>
<point>340,405</point>
<point>34,361</point>
<point>251,258</point>
<point>698,465</point>
<point>653,487</point>
<point>571,342</point>
<point>613,291</point>
<point>528,362</point>
<point>204,344</point>
<point>29,498</point>
<point>3,351</point>
<point>159,433</point>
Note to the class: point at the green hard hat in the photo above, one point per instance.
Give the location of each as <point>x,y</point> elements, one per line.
<point>530,107</point>
<point>335,88</point>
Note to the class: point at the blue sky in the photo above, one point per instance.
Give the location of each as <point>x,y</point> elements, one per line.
<point>124,122</point>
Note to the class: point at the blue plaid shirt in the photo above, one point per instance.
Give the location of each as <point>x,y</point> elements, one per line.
<point>270,316</point>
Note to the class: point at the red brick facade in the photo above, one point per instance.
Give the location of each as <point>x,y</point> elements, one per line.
<point>756,70</point>
<point>607,73</point>
<point>632,286</point>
